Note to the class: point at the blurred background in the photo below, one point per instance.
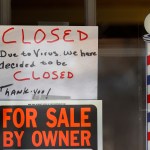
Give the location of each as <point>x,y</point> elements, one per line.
<point>123,18</point>
<point>122,61</point>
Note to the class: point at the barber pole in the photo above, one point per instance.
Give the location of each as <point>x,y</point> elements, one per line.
<point>147,40</point>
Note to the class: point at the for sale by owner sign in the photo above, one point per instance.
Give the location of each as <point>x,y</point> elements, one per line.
<point>51,125</point>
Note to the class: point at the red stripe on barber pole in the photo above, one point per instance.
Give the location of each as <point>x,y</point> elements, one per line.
<point>148,60</point>
<point>148,136</point>
<point>148,98</point>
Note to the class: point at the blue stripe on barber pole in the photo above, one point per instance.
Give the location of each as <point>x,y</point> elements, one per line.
<point>148,117</point>
<point>148,80</point>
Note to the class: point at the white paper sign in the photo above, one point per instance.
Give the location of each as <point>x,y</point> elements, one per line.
<point>48,60</point>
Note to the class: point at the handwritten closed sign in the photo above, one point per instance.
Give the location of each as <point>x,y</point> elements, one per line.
<point>48,60</point>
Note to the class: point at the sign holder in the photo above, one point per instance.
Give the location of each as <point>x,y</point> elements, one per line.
<point>5,12</point>
<point>90,12</point>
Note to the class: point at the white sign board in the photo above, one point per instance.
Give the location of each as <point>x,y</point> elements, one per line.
<point>48,60</point>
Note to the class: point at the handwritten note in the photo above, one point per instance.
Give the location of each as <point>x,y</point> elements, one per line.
<point>48,60</point>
